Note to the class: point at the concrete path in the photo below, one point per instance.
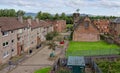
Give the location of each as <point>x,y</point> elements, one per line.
<point>37,61</point>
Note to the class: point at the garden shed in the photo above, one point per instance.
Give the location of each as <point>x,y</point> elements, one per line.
<point>76,63</point>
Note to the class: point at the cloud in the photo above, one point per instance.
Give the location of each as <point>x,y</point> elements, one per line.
<point>93,3</point>
<point>55,6</point>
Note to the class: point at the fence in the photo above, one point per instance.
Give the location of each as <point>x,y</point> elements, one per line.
<point>93,52</point>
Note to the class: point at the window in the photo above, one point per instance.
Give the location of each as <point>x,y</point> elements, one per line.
<point>86,24</point>
<point>5,33</point>
<point>12,50</point>
<point>6,54</point>
<point>5,44</point>
<point>12,31</point>
<point>12,41</point>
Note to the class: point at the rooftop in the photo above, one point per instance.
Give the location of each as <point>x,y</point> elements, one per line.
<point>76,61</point>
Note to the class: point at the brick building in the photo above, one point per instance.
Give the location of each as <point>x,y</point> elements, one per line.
<point>10,27</point>
<point>115,27</point>
<point>18,36</point>
<point>84,29</point>
<point>102,25</point>
<point>59,25</point>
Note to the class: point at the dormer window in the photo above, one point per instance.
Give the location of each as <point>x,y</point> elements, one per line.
<point>86,24</point>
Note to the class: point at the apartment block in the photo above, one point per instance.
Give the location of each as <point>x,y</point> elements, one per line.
<point>18,35</point>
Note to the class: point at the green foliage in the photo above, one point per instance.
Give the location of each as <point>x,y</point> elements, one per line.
<point>43,70</point>
<point>70,27</point>
<point>91,48</point>
<point>7,13</point>
<point>71,36</point>
<point>20,13</point>
<point>44,16</point>
<point>102,17</point>
<point>109,67</point>
<point>52,45</point>
<point>27,17</point>
<point>63,16</point>
<point>51,35</point>
<point>56,17</point>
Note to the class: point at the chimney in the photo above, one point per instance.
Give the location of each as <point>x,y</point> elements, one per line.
<point>76,18</point>
<point>29,21</point>
<point>37,20</point>
<point>20,19</point>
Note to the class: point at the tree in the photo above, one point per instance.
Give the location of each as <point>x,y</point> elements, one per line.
<point>56,17</point>
<point>49,36</point>
<point>63,16</point>
<point>27,17</point>
<point>52,45</point>
<point>7,13</point>
<point>20,13</point>
<point>39,15</point>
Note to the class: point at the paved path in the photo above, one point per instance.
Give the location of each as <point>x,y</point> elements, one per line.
<point>37,61</point>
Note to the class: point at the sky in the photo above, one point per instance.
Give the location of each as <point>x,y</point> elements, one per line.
<point>94,7</point>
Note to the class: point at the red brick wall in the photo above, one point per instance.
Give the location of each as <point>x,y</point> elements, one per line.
<point>86,34</point>
<point>60,25</point>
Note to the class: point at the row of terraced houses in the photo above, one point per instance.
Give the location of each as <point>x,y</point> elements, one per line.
<point>18,35</point>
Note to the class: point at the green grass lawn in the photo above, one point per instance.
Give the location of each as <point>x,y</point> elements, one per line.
<point>91,48</point>
<point>44,70</point>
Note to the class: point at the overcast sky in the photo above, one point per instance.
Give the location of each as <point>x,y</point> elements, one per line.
<point>96,7</point>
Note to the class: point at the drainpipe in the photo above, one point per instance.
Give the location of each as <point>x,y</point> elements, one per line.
<point>28,38</point>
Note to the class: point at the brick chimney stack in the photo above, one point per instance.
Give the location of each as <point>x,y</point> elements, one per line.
<point>29,21</point>
<point>37,20</point>
<point>76,18</point>
<point>20,19</point>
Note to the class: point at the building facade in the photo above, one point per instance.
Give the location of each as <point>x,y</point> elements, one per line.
<point>18,36</point>
<point>59,25</point>
<point>102,25</point>
<point>84,30</point>
<point>115,27</point>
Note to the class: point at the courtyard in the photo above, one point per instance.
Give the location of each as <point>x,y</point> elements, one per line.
<point>91,48</point>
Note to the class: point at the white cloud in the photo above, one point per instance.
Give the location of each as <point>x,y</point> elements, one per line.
<point>61,5</point>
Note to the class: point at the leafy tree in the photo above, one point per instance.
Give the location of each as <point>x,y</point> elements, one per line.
<point>56,17</point>
<point>39,15</point>
<point>27,17</point>
<point>63,16</point>
<point>20,13</point>
<point>52,45</point>
<point>49,36</point>
<point>7,13</point>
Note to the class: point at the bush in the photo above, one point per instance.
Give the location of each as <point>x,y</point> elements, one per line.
<point>51,35</point>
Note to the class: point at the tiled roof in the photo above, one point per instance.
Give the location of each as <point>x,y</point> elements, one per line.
<point>10,23</point>
<point>34,24</point>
